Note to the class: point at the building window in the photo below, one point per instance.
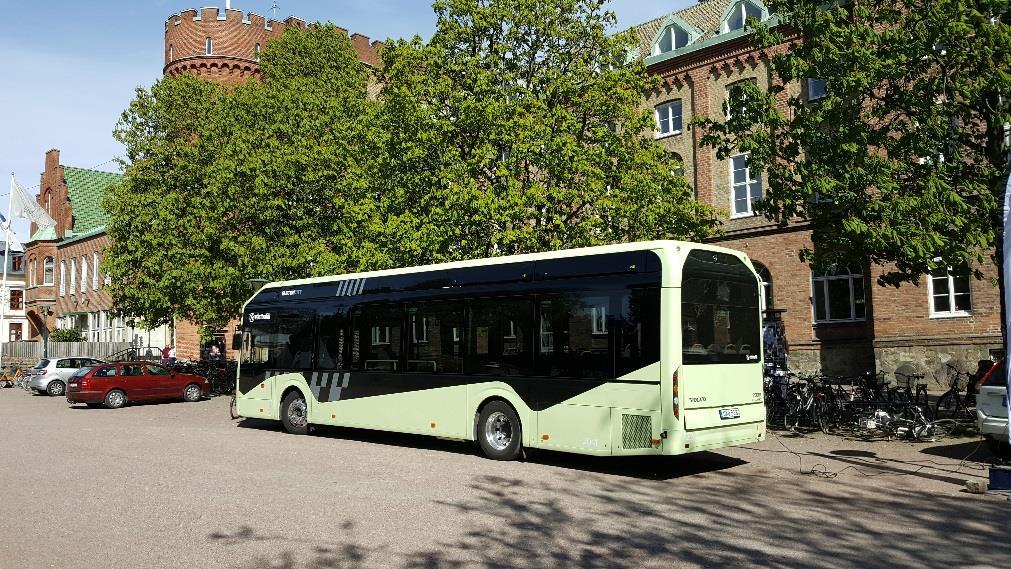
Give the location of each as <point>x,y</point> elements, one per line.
<point>94,271</point>
<point>84,274</point>
<point>598,319</point>
<point>547,334</point>
<point>170,53</point>
<point>746,184</point>
<point>209,46</point>
<point>15,332</point>
<point>949,292</point>
<point>766,281</point>
<point>31,272</point>
<point>48,268</point>
<point>17,263</point>
<point>671,38</point>
<point>73,276</point>
<point>668,118</point>
<point>419,329</point>
<point>838,296</point>
<point>380,335</point>
<point>256,53</point>
<point>738,16</point>
<point>49,203</point>
<point>63,278</point>
<point>815,89</point>
<point>17,299</point>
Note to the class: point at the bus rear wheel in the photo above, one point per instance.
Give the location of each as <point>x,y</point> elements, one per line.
<point>499,432</point>
<point>295,414</point>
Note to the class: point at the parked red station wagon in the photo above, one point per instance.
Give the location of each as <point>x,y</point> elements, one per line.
<point>114,384</point>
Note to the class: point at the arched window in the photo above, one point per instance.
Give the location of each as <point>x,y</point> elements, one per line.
<point>73,276</point>
<point>737,17</point>
<point>48,268</point>
<point>766,276</point>
<point>84,273</point>
<point>671,38</point>
<point>49,202</point>
<point>668,118</point>
<point>838,295</point>
<point>94,271</point>
<point>63,278</point>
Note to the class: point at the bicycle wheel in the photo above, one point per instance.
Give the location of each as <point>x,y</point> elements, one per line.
<point>791,415</point>
<point>946,405</point>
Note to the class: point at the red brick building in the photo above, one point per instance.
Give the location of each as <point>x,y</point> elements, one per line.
<point>841,322</point>
<point>63,264</point>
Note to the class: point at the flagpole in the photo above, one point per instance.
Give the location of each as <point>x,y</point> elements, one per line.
<point>4,296</point>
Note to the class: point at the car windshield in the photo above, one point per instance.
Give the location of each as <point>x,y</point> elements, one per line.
<point>83,371</point>
<point>41,365</point>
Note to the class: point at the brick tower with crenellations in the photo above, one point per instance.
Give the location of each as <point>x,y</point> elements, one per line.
<point>224,45</point>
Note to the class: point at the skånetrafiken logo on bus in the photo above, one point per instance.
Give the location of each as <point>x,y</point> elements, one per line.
<point>254,317</point>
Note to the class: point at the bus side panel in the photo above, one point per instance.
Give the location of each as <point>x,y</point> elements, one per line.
<point>575,428</point>
<point>480,392</point>
<point>426,412</point>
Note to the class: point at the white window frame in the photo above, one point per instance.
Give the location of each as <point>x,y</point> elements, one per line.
<point>415,337</point>
<point>749,183</point>
<point>84,273</point>
<point>742,6</point>
<point>547,336</point>
<point>855,279</point>
<point>598,319</point>
<point>669,105</point>
<point>953,313</point>
<point>668,32</point>
<point>94,271</point>
<point>48,271</point>
<point>73,276</point>
<point>209,46</point>
<point>63,278</point>
<point>813,81</point>
<point>380,335</point>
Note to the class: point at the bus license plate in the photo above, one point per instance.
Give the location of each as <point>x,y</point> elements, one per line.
<point>731,413</point>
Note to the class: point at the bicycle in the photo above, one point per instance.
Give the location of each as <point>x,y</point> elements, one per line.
<point>8,380</point>
<point>952,404</point>
<point>905,392</point>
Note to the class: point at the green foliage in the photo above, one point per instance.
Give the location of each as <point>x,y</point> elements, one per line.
<point>517,128</point>
<point>902,162</point>
<point>66,335</point>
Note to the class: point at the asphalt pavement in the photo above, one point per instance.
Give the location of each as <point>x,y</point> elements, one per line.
<point>181,485</point>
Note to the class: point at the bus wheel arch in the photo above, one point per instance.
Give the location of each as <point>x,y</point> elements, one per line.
<point>498,429</point>
<point>294,411</point>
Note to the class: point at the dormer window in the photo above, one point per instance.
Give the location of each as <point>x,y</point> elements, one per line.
<point>671,38</point>
<point>737,17</point>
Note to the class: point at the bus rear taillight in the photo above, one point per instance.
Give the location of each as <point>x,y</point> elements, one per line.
<point>677,402</point>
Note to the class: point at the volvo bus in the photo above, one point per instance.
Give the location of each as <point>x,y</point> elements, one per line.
<point>632,349</point>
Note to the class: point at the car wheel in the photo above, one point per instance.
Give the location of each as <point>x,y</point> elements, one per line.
<point>295,414</point>
<point>192,393</point>
<point>499,432</point>
<point>56,388</point>
<point>115,399</point>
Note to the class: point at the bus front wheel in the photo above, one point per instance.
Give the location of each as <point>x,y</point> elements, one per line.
<point>295,414</point>
<point>499,432</point>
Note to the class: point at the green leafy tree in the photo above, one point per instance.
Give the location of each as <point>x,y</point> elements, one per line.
<point>902,162</point>
<point>519,127</point>
<point>66,335</point>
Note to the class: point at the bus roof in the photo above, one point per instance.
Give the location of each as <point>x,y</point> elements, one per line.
<point>490,261</point>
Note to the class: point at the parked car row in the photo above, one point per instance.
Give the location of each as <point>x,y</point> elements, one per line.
<point>113,384</point>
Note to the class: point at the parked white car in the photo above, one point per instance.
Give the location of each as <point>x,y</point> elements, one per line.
<point>992,407</point>
<point>50,375</point>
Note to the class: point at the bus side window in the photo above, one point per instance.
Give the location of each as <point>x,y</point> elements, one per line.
<point>379,336</point>
<point>500,336</point>
<point>637,330</point>
<point>435,337</point>
<point>333,342</point>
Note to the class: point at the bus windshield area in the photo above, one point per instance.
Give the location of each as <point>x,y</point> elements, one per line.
<point>720,310</point>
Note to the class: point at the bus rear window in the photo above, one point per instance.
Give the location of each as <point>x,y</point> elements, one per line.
<point>720,312</point>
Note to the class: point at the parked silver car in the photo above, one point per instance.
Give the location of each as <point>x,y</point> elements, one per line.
<point>50,375</point>
<point>992,408</point>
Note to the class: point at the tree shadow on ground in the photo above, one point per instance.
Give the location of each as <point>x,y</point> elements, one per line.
<point>717,518</point>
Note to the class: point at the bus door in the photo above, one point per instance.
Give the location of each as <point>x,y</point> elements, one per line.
<point>720,380</point>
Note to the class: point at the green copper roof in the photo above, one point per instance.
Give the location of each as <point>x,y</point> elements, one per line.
<point>47,234</point>
<point>86,188</point>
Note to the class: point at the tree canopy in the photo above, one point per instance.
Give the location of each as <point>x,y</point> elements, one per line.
<point>518,127</point>
<point>901,162</point>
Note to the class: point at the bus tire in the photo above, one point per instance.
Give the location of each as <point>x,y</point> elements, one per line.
<point>295,413</point>
<point>499,432</point>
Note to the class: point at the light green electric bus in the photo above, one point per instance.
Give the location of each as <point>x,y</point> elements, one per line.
<point>633,349</point>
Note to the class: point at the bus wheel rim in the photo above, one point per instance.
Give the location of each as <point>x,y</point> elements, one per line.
<point>498,431</point>
<point>296,413</point>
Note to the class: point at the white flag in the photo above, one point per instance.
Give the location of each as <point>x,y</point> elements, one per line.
<point>12,240</point>
<point>23,205</point>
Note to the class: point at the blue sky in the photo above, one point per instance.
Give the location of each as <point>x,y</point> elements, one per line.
<point>69,68</point>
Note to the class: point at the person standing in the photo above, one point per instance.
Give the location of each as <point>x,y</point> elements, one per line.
<point>172,356</point>
<point>165,355</point>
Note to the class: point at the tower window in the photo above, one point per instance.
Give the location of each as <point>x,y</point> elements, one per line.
<point>209,46</point>
<point>256,53</point>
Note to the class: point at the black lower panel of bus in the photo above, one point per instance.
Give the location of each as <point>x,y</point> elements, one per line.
<point>537,393</point>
